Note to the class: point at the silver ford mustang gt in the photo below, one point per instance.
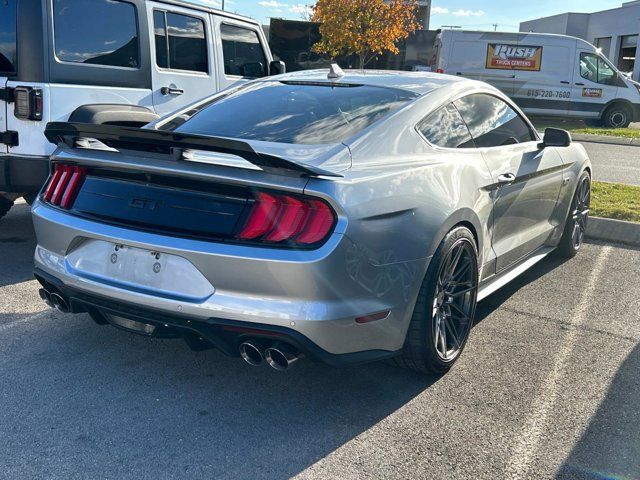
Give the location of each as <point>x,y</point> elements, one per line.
<point>347,217</point>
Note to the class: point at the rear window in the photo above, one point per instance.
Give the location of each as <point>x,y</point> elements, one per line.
<point>8,36</point>
<point>99,32</point>
<point>293,113</point>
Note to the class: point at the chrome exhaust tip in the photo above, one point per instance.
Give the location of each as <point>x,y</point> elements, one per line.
<point>251,353</point>
<point>59,302</point>
<point>281,356</point>
<point>46,297</point>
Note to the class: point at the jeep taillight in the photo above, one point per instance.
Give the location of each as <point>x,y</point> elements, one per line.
<point>64,185</point>
<point>27,103</point>
<point>288,219</point>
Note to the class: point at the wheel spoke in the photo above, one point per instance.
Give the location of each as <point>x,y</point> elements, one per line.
<point>462,313</point>
<point>452,330</point>
<point>461,292</point>
<point>443,339</point>
<point>453,264</point>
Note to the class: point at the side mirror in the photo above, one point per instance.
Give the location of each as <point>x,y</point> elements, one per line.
<point>277,67</point>
<point>554,137</point>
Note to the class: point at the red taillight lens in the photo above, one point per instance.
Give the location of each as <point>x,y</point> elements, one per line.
<point>277,218</point>
<point>439,70</point>
<point>64,185</point>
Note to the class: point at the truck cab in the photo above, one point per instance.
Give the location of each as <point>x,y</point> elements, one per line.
<point>111,62</point>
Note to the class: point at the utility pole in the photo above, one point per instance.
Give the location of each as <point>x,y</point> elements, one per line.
<point>222,4</point>
<point>495,25</point>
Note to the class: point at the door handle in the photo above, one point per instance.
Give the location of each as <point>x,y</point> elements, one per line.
<point>580,84</point>
<point>506,179</point>
<point>171,91</point>
<point>564,82</point>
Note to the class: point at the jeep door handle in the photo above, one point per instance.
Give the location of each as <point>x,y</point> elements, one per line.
<point>171,91</point>
<point>506,179</point>
<point>564,82</point>
<point>580,84</point>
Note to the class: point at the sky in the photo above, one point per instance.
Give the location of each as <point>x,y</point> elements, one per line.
<point>465,13</point>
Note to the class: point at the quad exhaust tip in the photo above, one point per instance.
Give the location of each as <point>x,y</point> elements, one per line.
<point>251,353</point>
<point>54,300</point>
<point>281,356</point>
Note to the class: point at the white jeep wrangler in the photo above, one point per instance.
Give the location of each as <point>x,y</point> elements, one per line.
<point>110,62</point>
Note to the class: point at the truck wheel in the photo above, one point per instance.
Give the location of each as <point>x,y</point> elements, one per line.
<point>617,116</point>
<point>5,206</point>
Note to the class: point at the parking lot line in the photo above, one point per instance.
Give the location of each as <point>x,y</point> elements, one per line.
<point>535,426</point>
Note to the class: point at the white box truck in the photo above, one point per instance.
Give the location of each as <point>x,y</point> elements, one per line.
<point>545,74</point>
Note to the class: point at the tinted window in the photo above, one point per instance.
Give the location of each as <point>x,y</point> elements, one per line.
<point>492,122</point>
<point>8,36</point>
<point>102,32</point>
<point>242,51</point>
<point>181,43</point>
<point>445,128</point>
<point>292,113</point>
<point>596,69</point>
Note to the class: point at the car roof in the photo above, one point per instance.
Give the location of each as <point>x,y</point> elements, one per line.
<point>207,6</point>
<point>420,83</point>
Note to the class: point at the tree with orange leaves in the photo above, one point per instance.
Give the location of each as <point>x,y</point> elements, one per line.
<point>363,27</point>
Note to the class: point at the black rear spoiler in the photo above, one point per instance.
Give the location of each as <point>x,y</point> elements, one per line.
<point>159,141</point>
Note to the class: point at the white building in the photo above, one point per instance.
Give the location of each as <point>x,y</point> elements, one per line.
<point>615,31</point>
<point>424,12</point>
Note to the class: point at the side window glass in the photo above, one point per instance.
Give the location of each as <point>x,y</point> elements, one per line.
<point>595,69</point>
<point>99,32</point>
<point>8,28</point>
<point>181,43</point>
<point>445,128</point>
<point>242,52</point>
<point>492,122</point>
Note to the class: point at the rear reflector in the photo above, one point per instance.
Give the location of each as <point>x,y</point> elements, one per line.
<point>373,317</point>
<point>277,218</point>
<point>64,185</point>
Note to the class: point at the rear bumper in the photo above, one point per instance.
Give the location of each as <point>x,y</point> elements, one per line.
<point>23,174</point>
<point>311,297</point>
<point>225,335</point>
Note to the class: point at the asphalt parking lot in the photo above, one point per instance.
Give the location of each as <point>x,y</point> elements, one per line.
<point>549,387</point>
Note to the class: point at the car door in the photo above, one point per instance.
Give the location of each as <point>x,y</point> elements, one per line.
<point>526,179</point>
<point>595,84</point>
<point>243,50</point>
<point>183,67</point>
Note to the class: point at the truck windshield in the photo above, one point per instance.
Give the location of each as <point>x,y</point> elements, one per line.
<point>8,37</point>
<point>293,112</point>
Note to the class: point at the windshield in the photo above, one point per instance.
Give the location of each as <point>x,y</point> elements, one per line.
<point>8,37</point>
<point>293,112</point>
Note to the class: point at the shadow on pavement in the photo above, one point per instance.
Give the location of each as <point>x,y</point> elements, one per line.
<point>17,244</point>
<point>610,448</point>
<point>109,404</point>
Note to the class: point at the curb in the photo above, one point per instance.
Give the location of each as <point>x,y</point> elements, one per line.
<point>583,137</point>
<point>616,231</point>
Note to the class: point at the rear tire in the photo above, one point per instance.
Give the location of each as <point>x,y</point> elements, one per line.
<point>617,116</point>
<point>445,309</point>
<point>575,226</point>
<point>5,206</point>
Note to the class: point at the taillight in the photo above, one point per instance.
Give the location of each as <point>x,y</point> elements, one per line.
<point>279,218</point>
<point>439,70</point>
<point>64,185</point>
<point>27,103</point>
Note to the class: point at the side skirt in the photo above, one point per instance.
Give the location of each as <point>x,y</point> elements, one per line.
<point>499,281</point>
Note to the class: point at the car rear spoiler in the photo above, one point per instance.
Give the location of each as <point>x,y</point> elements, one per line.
<point>159,141</point>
